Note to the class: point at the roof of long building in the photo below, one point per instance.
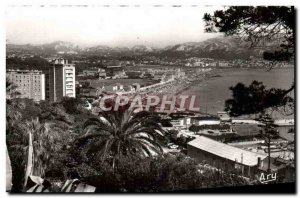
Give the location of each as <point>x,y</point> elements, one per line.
<point>226,151</point>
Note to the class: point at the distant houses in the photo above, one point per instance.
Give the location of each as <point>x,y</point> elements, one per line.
<point>115,71</point>
<point>207,62</point>
<point>93,72</point>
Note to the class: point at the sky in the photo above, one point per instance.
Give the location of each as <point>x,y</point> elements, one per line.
<point>112,26</point>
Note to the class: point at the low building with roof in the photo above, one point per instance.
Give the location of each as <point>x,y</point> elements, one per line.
<point>183,122</point>
<point>206,120</point>
<point>101,73</point>
<point>89,91</point>
<point>200,128</point>
<point>219,135</point>
<point>224,117</point>
<point>224,156</point>
<point>90,72</point>
<point>113,88</point>
<point>114,71</point>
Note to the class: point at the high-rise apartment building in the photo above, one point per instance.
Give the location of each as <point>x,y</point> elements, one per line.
<point>30,83</point>
<point>61,80</point>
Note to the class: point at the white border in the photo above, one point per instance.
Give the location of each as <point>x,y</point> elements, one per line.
<point>113,3</point>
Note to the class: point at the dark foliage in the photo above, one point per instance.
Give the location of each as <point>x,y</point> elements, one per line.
<point>158,174</point>
<point>35,63</point>
<point>256,98</point>
<point>71,105</point>
<point>257,25</point>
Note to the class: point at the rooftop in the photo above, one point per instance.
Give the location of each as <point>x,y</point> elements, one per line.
<point>226,151</point>
<point>209,118</point>
<point>24,71</point>
<point>114,66</point>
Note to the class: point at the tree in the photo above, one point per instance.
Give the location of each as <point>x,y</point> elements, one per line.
<point>13,135</point>
<point>31,63</point>
<point>13,105</point>
<point>44,146</point>
<point>257,25</point>
<point>50,135</point>
<point>11,90</point>
<point>256,99</point>
<point>36,146</point>
<point>120,133</point>
<point>38,149</point>
<point>268,132</point>
<point>71,105</point>
<point>56,113</point>
<point>163,173</point>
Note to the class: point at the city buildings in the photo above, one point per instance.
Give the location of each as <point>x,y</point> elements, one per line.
<point>61,80</point>
<point>90,72</point>
<point>30,83</point>
<point>88,92</point>
<point>114,71</point>
<point>223,64</point>
<point>113,88</point>
<point>101,73</point>
<point>184,122</point>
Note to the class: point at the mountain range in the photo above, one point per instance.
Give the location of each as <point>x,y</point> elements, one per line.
<point>218,47</point>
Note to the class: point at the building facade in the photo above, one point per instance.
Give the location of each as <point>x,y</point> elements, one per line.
<point>61,80</point>
<point>30,83</point>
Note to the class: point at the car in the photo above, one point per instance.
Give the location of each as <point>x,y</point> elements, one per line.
<point>170,144</point>
<point>173,146</point>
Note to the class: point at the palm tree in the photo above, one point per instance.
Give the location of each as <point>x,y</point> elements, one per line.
<point>13,105</point>
<point>43,143</point>
<point>8,173</point>
<point>121,133</point>
<point>40,146</point>
<point>11,90</point>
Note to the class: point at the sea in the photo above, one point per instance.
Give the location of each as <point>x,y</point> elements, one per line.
<point>213,91</point>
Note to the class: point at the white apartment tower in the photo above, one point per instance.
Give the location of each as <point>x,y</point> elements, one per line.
<point>61,80</point>
<point>30,83</point>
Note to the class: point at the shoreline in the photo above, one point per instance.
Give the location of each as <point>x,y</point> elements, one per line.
<point>220,71</point>
<point>202,77</point>
<point>220,84</point>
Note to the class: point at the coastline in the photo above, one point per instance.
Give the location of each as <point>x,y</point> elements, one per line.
<point>213,90</point>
